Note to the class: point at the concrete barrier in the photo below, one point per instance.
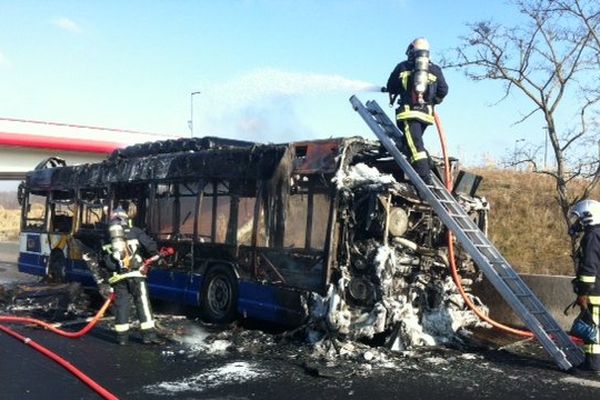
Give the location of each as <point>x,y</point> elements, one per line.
<point>555,291</point>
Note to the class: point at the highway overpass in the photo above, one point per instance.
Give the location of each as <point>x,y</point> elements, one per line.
<point>25,143</point>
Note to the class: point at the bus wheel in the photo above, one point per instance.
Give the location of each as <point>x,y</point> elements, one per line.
<point>219,295</point>
<point>57,267</point>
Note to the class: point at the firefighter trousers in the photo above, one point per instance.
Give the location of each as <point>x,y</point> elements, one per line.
<point>592,350</point>
<point>126,290</point>
<point>413,147</point>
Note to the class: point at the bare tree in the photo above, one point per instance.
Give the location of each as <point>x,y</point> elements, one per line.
<point>553,59</point>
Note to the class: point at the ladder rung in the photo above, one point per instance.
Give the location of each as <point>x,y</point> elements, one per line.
<point>458,216</point>
<point>452,203</point>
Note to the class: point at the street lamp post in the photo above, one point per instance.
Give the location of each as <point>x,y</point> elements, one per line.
<point>191,121</point>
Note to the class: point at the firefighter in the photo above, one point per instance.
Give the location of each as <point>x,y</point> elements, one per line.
<point>420,85</point>
<point>585,218</point>
<point>123,259</point>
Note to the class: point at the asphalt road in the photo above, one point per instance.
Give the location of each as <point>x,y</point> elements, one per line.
<point>9,253</point>
<point>245,363</point>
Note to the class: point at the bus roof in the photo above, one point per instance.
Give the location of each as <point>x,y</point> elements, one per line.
<point>185,159</point>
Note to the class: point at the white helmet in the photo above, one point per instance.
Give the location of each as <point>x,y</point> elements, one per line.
<point>586,212</point>
<point>417,44</point>
<point>119,216</point>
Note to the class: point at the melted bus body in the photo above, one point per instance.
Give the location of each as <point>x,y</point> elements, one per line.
<point>256,228</point>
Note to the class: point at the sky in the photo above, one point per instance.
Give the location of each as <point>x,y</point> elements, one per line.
<point>265,70</point>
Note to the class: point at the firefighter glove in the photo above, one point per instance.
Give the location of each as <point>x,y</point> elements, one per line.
<point>582,301</point>
<point>105,290</point>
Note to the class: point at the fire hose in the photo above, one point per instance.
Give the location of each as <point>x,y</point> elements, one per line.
<point>71,335</point>
<point>74,335</point>
<point>62,362</point>
<point>451,256</point>
<point>51,328</point>
<point>454,270</point>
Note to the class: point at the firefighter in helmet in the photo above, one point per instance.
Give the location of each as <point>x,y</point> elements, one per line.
<point>585,220</point>
<point>420,85</point>
<point>123,259</point>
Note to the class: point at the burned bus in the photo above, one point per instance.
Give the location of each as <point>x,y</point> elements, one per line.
<point>275,232</point>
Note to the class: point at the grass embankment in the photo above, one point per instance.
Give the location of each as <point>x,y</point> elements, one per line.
<point>525,221</point>
<point>9,224</point>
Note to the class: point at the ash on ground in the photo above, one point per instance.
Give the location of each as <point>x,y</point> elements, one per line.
<point>42,300</point>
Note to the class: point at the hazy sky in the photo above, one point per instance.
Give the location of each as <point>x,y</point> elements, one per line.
<point>267,70</point>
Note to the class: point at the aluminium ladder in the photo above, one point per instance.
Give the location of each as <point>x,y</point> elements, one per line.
<point>495,267</point>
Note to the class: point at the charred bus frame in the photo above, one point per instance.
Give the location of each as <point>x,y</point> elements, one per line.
<point>260,217</point>
<point>256,228</point>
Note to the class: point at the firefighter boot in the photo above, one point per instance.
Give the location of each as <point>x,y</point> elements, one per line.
<point>592,364</point>
<point>122,338</point>
<point>422,168</point>
<point>149,337</point>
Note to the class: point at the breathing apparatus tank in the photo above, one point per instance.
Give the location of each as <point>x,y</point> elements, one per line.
<point>418,50</point>
<point>116,230</point>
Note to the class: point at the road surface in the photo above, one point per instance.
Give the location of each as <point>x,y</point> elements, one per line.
<point>242,362</point>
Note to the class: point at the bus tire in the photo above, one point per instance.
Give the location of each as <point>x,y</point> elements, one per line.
<point>57,267</point>
<point>219,295</point>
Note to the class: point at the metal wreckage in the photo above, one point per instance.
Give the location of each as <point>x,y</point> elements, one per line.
<point>331,229</point>
<point>392,275</point>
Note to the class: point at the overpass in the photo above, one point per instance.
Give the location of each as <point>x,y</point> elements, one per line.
<point>25,143</point>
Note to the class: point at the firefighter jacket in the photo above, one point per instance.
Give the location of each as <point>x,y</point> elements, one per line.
<point>139,245</point>
<point>588,271</point>
<point>400,83</point>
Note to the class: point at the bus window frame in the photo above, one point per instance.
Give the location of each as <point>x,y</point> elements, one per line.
<point>100,200</point>
<point>52,202</point>
<point>310,187</point>
<point>154,217</point>
<point>189,185</point>
<point>26,209</point>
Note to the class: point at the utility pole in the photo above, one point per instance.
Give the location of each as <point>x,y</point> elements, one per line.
<point>191,121</point>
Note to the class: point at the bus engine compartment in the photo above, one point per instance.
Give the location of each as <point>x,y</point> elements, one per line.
<point>392,277</point>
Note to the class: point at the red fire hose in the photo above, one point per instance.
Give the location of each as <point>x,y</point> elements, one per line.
<point>164,252</point>
<point>453,269</point>
<point>62,362</point>
<point>70,335</point>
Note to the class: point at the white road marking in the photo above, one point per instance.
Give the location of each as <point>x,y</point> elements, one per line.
<point>582,381</point>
